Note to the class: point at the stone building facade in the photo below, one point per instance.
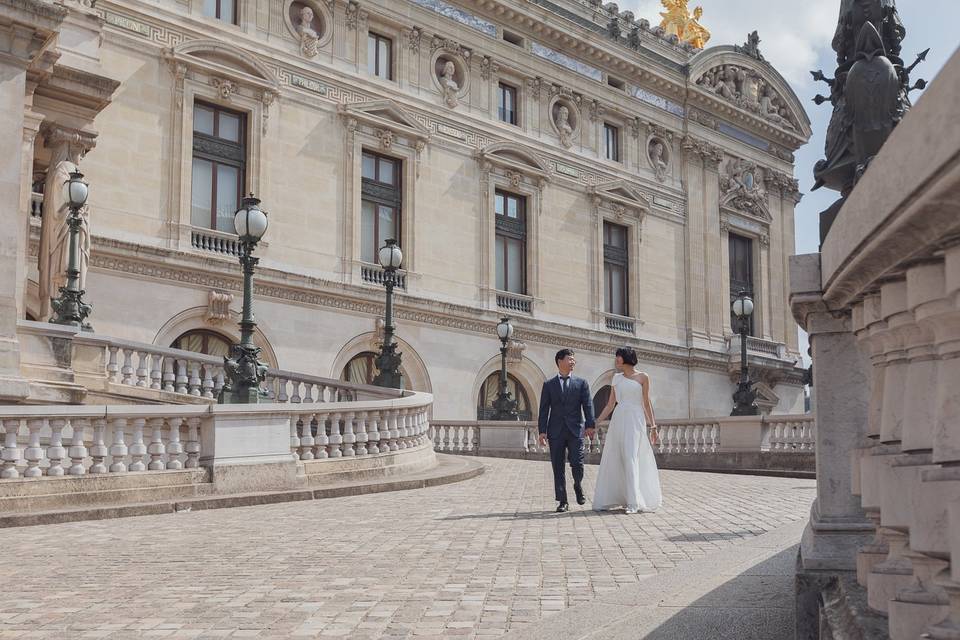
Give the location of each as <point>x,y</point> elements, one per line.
<point>558,162</point>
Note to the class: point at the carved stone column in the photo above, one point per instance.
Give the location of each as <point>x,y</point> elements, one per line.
<point>840,396</point>
<point>27,30</point>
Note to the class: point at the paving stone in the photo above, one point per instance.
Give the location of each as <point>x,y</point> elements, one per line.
<point>474,559</point>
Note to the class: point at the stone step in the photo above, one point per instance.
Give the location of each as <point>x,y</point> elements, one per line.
<point>449,469</point>
<point>347,470</point>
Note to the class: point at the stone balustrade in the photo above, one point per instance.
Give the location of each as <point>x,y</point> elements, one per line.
<point>51,441</point>
<point>881,303</point>
<point>144,372</point>
<point>673,439</point>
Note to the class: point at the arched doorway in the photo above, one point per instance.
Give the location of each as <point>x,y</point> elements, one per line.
<point>203,341</point>
<point>488,393</point>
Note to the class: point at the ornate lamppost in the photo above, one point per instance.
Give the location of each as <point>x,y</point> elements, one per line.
<point>243,368</point>
<point>69,307</point>
<point>388,361</point>
<point>744,397</point>
<point>504,406</point>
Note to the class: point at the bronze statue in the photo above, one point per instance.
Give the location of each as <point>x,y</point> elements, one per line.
<point>869,94</point>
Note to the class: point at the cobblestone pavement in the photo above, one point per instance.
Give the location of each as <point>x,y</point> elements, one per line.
<point>471,560</point>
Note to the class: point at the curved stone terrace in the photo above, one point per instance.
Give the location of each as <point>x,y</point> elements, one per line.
<point>475,559</point>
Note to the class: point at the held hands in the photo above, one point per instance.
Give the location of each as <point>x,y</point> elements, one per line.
<point>590,432</point>
<point>543,439</point>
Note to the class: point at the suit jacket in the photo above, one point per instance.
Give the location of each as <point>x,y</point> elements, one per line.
<point>569,412</point>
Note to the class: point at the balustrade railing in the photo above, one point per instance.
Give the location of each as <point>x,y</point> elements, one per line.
<point>144,366</point>
<point>789,433</point>
<point>107,439</point>
<point>620,323</point>
<point>227,244</point>
<point>514,302</point>
<point>75,441</point>
<point>775,434</point>
<point>36,205</point>
<point>374,274</point>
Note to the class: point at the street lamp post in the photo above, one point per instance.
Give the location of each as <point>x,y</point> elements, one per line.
<point>243,368</point>
<point>69,307</point>
<point>504,406</point>
<point>388,361</point>
<point>744,397</point>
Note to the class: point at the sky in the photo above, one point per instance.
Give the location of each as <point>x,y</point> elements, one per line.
<point>795,38</point>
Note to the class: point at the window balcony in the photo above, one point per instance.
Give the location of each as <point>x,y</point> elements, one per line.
<point>373,274</point>
<point>620,324</point>
<point>514,302</point>
<point>219,242</point>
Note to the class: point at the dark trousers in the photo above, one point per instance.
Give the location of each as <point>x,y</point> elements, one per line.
<point>570,446</point>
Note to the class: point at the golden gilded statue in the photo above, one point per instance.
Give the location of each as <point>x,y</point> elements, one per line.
<point>678,20</point>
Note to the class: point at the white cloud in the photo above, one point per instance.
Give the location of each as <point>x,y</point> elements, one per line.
<point>793,34</point>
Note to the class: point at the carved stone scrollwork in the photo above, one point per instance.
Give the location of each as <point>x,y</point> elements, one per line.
<point>355,16</point>
<point>515,350</point>
<point>267,99</point>
<point>636,127</point>
<point>414,36</point>
<point>750,91</point>
<point>225,88</point>
<point>740,186</point>
<point>488,67</point>
<point>597,110</point>
<point>386,138</point>
<point>534,86</point>
<point>515,179</point>
<point>710,155</point>
<point>218,307</point>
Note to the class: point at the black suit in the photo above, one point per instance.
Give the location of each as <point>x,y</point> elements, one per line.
<point>563,416</point>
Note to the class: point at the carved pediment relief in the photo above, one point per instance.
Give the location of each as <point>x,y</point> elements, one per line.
<point>223,61</point>
<point>386,115</point>
<point>620,195</point>
<point>741,188</point>
<point>515,158</point>
<point>748,89</point>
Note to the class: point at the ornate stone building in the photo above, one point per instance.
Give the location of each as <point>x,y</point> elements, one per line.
<point>558,162</point>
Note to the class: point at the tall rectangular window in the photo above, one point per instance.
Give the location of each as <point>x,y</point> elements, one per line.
<point>380,203</point>
<point>616,262</point>
<point>511,242</point>
<point>225,10</point>
<point>379,56</point>
<point>219,166</point>
<point>741,275</point>
<point>611,142</point>
<point>507,98</point>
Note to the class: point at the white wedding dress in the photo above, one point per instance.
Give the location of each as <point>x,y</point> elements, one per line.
<point>628,474</point>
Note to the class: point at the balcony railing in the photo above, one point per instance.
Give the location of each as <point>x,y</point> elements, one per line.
<point>374,274</point>
<point>36,205</point>
<point>514,302</point>
<point>756,345</point>
<point>621,324</point>
<point>227,244</point>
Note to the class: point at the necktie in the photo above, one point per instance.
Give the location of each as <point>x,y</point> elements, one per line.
<point>564,382</point>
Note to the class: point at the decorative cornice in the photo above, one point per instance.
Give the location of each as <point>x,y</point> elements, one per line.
<point>710,154</point>
<point>220,273</point>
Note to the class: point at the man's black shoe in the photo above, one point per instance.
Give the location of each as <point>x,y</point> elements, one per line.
<point>580,499</point>
<point>563,507</point>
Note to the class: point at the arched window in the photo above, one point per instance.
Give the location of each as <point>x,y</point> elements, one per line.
<point>362,370</point>
<point>203,341</point>
<point>488,393</point>
<point>601,399</point>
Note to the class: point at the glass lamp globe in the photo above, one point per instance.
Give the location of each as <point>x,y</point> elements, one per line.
<point>390,255</point>
<point>250,221</point>
<point>77,190</point>
<point>743,306</point>
<point>504,329</point>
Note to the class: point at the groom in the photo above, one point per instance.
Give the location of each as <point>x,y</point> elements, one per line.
<point>565,405</point>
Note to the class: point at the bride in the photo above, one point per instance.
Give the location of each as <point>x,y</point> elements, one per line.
<point>628,470</point>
